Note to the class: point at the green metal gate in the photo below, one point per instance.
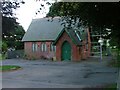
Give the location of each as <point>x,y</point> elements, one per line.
<point>66,51</point>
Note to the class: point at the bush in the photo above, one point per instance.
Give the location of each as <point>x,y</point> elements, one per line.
<point>2,56</point>
<point>43,57</point>
<point>4,47</point>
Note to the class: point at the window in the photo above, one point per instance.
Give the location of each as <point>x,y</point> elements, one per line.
<point>43,47</point>
<point>78,35</point>
<point>52,47</point>
<point>34,47</point>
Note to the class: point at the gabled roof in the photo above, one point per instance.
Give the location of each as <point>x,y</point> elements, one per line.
<point>43,30</point>
<point>46,29</point>
<point>75,34</point>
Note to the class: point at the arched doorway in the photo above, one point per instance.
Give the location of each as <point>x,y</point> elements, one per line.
<point>66,51</point>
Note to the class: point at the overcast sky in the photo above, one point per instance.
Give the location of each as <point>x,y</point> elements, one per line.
<point>27,12</point>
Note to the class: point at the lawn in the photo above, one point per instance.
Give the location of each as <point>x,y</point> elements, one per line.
<point>110,87</point>
<point>9,68</point>
<point>115,63</point>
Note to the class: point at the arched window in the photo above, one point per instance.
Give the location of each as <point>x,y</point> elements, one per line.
<point>43,47</point>
<point>52,47</point>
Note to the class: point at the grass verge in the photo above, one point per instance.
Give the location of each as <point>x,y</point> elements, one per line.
<point>114,63</point>
<point>111,87</point>
<point>4,68</point>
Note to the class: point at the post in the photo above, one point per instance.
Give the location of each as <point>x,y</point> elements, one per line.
<point>100,51</point>
<point>101,43</point>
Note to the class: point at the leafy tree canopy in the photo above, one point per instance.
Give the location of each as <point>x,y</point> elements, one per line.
<point>9,5</point>
<point>99,15</point>
<point>12,32</point>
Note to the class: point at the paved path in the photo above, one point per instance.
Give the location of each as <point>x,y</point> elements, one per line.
<point>48,74</point>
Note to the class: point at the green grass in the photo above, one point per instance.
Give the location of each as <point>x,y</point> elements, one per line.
<point>114,63</point>
<point>9,68</point>
<point>110,87</point>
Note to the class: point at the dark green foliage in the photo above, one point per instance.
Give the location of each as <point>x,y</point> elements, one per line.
<point>99,15</point>
<point>14,37</point>
<point>4,47</point>
<point>9,6</point>
<point>8,25</point>
<point>12,32</point>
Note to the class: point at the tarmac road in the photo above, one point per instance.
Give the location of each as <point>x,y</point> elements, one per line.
<point>91,73</point>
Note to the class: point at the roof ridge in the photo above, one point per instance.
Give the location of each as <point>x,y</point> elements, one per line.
<point>46,18</point>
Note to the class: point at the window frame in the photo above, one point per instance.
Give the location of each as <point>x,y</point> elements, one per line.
<point>52,47</point>
<point>34,47</point>
<point>43,47</point>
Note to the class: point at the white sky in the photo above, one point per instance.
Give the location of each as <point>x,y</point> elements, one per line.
<point>27,12</point>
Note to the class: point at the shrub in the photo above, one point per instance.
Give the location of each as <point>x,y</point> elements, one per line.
<point>43,57</point>
<point>4,47</point>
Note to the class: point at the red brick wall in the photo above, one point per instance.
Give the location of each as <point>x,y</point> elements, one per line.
<point>85,53</point>
<point>89,43</point>
<point>38,54</point>
<point>75,56</point>
<point>77,52</point>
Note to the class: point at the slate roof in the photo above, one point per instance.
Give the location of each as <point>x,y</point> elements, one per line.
<point>75,34</point>
<point>42,29</point>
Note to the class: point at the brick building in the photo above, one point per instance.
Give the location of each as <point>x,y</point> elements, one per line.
<point>48,39</point>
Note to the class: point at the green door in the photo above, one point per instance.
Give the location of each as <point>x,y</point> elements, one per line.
<point>66,51</point>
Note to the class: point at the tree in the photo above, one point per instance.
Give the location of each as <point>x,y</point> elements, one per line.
<point>92,13</point>
<point>13,38</point>
<point>12,32</point>
<point>8,7</point>
<point>98,15</point>
<point>4,47</point>
<point>8,26</point>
